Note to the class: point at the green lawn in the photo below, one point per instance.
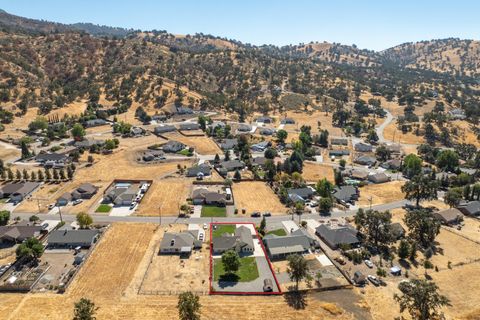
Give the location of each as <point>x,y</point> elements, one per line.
<point>185,152</point>
<point>247,272</point>
<point>104,208</point>
<point>213,211</point>
<point>223,228</point>
<point>278,232</point>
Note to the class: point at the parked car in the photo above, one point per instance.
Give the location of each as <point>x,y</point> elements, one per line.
<point>132,206</point>
<point>373,280</point>
<point>369,263</point>
<point>78,201</point>
<point>255,215</point>
<point>51,206</point>
<point>340,260</point>
<point>205,226</point>
<point>267,214</point>
<point>200,237</point>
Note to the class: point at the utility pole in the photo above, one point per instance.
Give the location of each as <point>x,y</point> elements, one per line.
<point>60,213</point>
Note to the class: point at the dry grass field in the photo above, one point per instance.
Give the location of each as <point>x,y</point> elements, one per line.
<point>8,151</point>
<point>312,172</point>
<point>170,273</point>
<point>110,268</point>
<point>311,118</point>
<point>380,193</point>
<point>256,196</point>
<point>202,145</point>
<point>168,194</point>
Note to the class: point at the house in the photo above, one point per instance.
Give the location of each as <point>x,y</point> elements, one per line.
<point>449,216</point>
<point>84,144</point>
<point>264,120</point>
<point>50,160</point>
<point>64,199</point>
<point>261,146</point>
<point>267,131</point>
<point>204,196</point>
<point>65,238</point>
<point>243,127</point>
<point>457,114</point>
<point>159,117</point>
<point>397,231</point>
<point>183,110</point>
<point>232,165</point>
<point>122,194</point>
<point>259,161</point>
<point>17,191</point>
<point>471,208</point>
<point>228,144</point>
<point>137,131</point>
<point>359,174</point>
<point>337,235</point>
<point>380,177</point>
<point>163,129</point>
<point>173,146</point>
<point>339,141</point>
<point>338,153</point>
<point>363,147</point>
<point>84,191</point>
<point>187,126</point>
<point>366,160</point>
<point>394,148</point>
<point>219,124</point>
<point>297,242</point>
<point>95,123</point>
<point>179,243</point>
<point>153,155</point>
<point>18,233</point>
<point>300,194</point>
<point>287,121</point>
<point>394,164</point>
<point>345,194</point>
<point>195,171</point>
<point>241,241</point>
<point>359,278</point>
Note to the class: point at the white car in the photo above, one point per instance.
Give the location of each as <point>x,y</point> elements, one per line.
<point>205,226</point>
<point>369,263</point>
<point>200,237</point>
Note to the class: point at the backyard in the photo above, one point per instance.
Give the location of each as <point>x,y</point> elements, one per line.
<point>220,229</point>
<point>246,272</point>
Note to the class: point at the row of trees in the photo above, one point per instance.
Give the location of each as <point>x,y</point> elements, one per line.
<point>39,175</point>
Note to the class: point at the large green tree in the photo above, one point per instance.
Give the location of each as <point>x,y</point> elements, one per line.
<point>84,220</point>
<point>4,217</point>
<point>78,132</point>
<point>84,309</point>
<point>447,160</point>
<point>422,226</point>
<point>297,268</point>
<point>188,306</point>
<point>375,227</point>
<point>30,249</point>
<point>231,261</point>
<point>419,188</point>
<point>412,165</point>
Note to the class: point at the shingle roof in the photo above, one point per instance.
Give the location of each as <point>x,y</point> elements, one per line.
<point>338,235</point>
<point>66,237</point>
<point>177,241</point>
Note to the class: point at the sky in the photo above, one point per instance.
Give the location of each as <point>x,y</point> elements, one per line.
<point>374,25</point>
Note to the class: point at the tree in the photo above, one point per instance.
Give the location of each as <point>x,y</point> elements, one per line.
<point>25,152</point>
<point>383,153</point>
<point>84,310</point>
<point>372,136</point>
<point>337,174</point>
<point>421,299</point>
<point>412,165</point>
<point>270,153</point>
<point>297,268</point>
<point>453,197</point>
<point>237,176</point>
<point>263,225</point>
<point>422,226</point>
<point>325,204</point>
<point>231,261</point>
<point>282,136</point>
<point>30,249</point>
<point>84,220</point>
<point>188,306</point>
<point>4,217</point>
<point>34,219</point>
<point>447,160</point>
<point>375,226</point>
<point>419,188</point>
<point>403,249</point>
<point>324,188</point>
<point>78,132</point>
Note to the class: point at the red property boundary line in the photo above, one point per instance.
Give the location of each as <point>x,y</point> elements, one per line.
<point>213,292</point>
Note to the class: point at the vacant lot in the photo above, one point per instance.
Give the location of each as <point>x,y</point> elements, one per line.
<point>110,268</point>
<point>392,133</point>
<point>202,145</point>
<point>256,196</point>
<point>381,193</point>
<point>169,274</point>
<point>312,119</point>
<point>166,195</point>
<point>8,152</point>
<point>313,172</point>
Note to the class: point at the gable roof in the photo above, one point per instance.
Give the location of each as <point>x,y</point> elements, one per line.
<point>228,144</point>
<point>18,233</point>
<point>44,157</point>
<point>345,193</point>
<point>470,208</point>
<point>66,237</point>
<point>341,234</point>
<point>301,192</point>
<point>449,215</point>
<point>378,177</point>
<point>163,129</point>
<point>363,147</point>
<point>182,241</point>
<point>195,170</point>
<point>189,126</point>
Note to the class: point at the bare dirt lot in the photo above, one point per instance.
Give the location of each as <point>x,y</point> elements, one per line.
<point>381,193</point>
<point>172,274</point>
<point>256,196</point>
<point>166,195</point>
<point>312,172</point>
<point>202,145</point>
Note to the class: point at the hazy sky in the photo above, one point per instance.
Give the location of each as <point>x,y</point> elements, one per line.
<point>368,24</point>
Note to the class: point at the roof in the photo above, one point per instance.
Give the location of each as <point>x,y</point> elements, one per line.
<point>339,141</point>
<point>267,131</point>
<point>87,188</point>
<point>244,127</point>
<point>378,177</point>
<point>259,161</point>
<point>18,233</point>
<point>182,241</point>
<point>301,192</point>
<point>228,144</point>
<point>449,215</point>
<point>471,208</point>
<point>202,168</point>
<point>173,145</point>
<point>245,235</point>
<point>43,157</point>
<point>165,128</point>
<point>261,145</point>
<point>345,193</point>
<point>88,143</point>
<point>341,234</point>
<point>22,188</point>
<point>339,152</point>
<point>288,121</point>
<point>189,126</point>
<point>224,242</point>
<point>65,237</point>
<point>363,147</point>
<point>66,196</point>
<point>264,119</point>
<point>286,244</point>
<point>365,160</point>
<point>232,164</point>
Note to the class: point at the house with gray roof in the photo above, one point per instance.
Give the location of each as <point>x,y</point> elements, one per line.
<point>84,238</point>
<point>95,123</point>
<point>18,233</point>
<point>259,161</point>
<point>232,165</point>
<point>393,164</point>
<point>339,141</point>
<point>17,191</point>
<point>379,177</point>
<point>300,194</point>
<point>84,191</point>
<point>264,119</point>
<point>241,241</point>
<point>173,146</point>
<point>449,216</point>
<point>297,242</point>
<point>363,147</point>
<point>88,143</point>
<point>267,131</point>
<point>228,144</point>
<point>202,169</point>
<point>52,159</point>
<point>243,127</point>
<point>345,194</point>
<point>287,121</point>
<point>183,110</point>
<point>337,235</point>
<point>365,160</point>
<point>338,152</point>
<point>179,243</point>
<point>123,195</point>
<point>204,196</point>
<point>471,208</point>
<point>261,146</point>
<point>158,130</point>
<point>187,126</point>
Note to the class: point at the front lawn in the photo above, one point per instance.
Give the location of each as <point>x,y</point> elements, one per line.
<point>103,208</point>
<point>247,272</point>
<point>223,228</point>
<point>185,152</point>
<point>213,211</point>
<point>278,232</point>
